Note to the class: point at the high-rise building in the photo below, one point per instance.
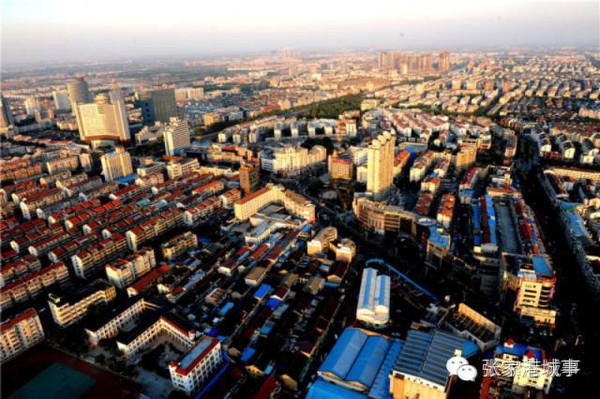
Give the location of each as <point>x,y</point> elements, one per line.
<point>6,118</point>
<point>79,92</point>
<point>61,100</point>
<point>444,61</point>
<point>20,333</point>
<point>381,165</point>
<point>116,164</point>
<point>104,120</point>
<point>32,105</point>
<point>391,60</point>
<point>426,62</point>
<point>176,136</point>
<point>383,62</point>
<point>158,106</point>
<point>249,178</point>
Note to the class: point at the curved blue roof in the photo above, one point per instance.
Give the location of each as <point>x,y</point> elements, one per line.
<point>344,352</point>
<point>324,390</point>
<point>369,360</point>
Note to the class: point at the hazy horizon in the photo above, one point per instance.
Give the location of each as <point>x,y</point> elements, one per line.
<point>34,31</point>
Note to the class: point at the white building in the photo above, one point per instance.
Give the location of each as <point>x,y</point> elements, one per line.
<point>20,333</point>
<point>197,366</point>
<point>176,136</point>
<point>116,164</point>
<point>125,271</point>
<point>61,100</point>
<point>69,309</point>
<point>32,105</point>
<point>290,160</point>
<point>320,243</point>
<point>374,298</point>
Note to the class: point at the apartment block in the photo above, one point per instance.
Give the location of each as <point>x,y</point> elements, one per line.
<point>70,308</point>
<point>20,333</point>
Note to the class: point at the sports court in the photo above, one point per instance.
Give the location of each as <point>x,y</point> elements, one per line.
<point>57,381</point>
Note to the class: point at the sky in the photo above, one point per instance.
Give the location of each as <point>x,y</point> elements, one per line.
<point>37,31</point>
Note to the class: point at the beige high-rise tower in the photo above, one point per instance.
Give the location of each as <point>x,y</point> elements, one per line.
<point>104,120</point>
<point>380,167</point>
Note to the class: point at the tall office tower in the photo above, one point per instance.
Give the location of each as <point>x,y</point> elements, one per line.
<point>380,166</point>
<point>158,106</point>
<point>398,58</point>
<point>249,178</point>
<point>6,118</point>
<point>32,105</point>
<point>177,136</point>
<point>61,100</point>
<point>79,92</point>
<point>427,62</point>
<point>104,121</point>
<point>383,60</point>
<point>444,61</point>
<point>411,60</point>
<point>116,164</point>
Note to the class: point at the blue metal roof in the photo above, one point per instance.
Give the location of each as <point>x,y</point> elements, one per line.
<point>321,389</point>
<point>425,354</point>
<point>128,178</point>
<point>542,266</point>
<point>262,291</point>
<point>273,303</point>
<point>519,351</point>
<point>369,359</point>
<point>344,352</point>
<point>226,308</point>
<point>369,280</point>
<point>437,238</point>
<point>247,355</point>
<point>381,384</point>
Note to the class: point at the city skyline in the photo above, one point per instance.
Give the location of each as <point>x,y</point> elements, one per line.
<point>318,200</point>
<point>67,31</point>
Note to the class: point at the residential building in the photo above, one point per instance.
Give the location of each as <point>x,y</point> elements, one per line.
<point>116,164</point>
<point>126,271</point>
<point>6,117</point>
<point>320,243</point>
<point>176,136</point>
<point>61,100</point>
<point>180,167</point>
<point>381,165</point>
<point>249,178</point>
<point>340,167</point>
<point>69,309</point>
<point>19,333</point>
<point>179,245</point>
<point>291,160</point>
